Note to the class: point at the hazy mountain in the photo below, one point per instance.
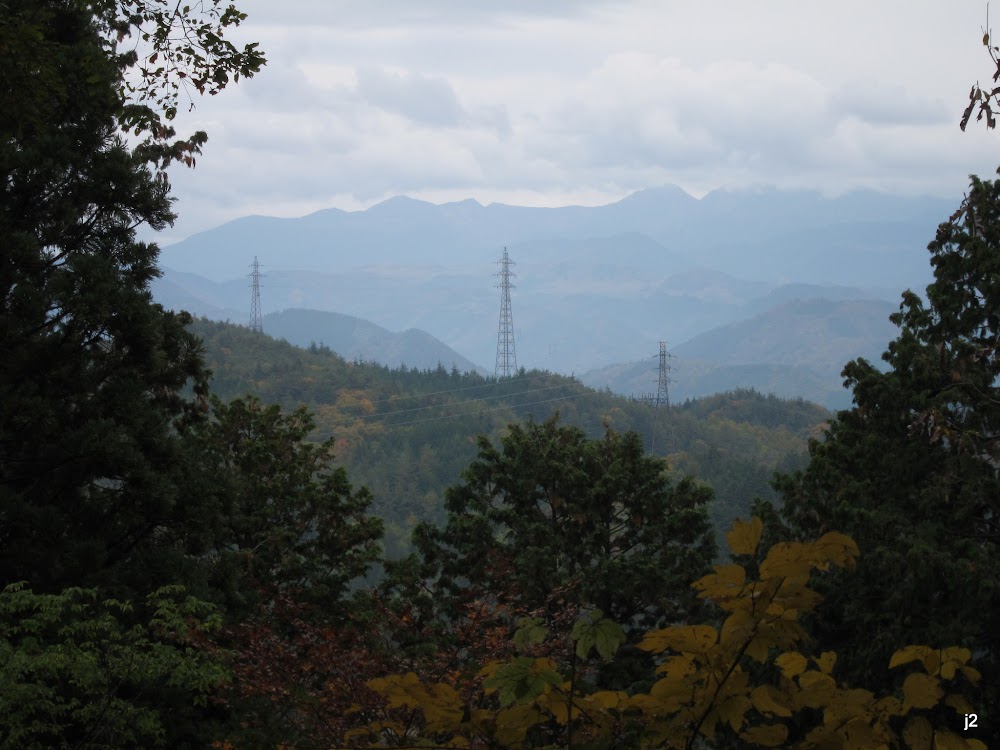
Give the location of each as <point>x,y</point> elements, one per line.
<point>592,286</point>
<point>782,235</point>
<point>818,333</point>
<point>357,339</point>
<point>797,348</point>
<point>693,379</point>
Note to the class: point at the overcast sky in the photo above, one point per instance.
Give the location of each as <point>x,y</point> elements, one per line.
<point>556,102</point>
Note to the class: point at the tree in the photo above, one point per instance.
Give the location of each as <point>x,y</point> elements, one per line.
<point>281,520</point>
<point>80,672</point>
<point>552,509</point>
<point>746,683</point>
<point>91,383</point>
<point>911,471</point>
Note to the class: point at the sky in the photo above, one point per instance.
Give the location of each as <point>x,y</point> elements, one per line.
<point>559,102</point>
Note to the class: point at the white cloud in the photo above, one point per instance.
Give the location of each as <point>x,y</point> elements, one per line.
<point>566,101</point>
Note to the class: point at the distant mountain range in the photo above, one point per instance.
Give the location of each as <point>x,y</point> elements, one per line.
<point>594,286</point>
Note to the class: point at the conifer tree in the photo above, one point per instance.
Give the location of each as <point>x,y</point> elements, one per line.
<point>552,509</point>
<point>911,472</point>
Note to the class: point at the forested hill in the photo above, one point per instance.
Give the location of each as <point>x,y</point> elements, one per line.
<point>407,434</point>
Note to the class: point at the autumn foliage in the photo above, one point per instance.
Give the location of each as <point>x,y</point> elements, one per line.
<point>750,681</point>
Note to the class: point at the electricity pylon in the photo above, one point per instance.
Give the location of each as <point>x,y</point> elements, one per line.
<point>256,322</point>
<point>506,365</point>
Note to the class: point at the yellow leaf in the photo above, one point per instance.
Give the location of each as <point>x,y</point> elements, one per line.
<point>768,735</point>
<point>921,691</point>
<point>677,667</point>
<point>767,700</point>
<point>733,709</point>
<point>976,744</point>
<point>948,741</point>
<point>744,537</point>
<point>918,733</point>
<point>786,560</point>
<point>959,703</point>
<point>952,659</point>
<point>726,581</point>
<point>837,548</point>
<point>791,664</point>
<point>889,706</point>
<point>971,674</point>
<point>695,639</point>
<point>817,689</point>
<point>826,661</point>
<point>908,654</point>
<point>608,699</point>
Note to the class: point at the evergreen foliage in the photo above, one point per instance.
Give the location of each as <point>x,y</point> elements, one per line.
<point>91,381</point>
<point>912,470</point>
<point>550,509</point>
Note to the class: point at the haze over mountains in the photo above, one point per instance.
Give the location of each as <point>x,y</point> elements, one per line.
<point>595,286</point>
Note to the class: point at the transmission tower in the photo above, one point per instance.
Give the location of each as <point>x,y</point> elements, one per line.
<point>506,355</point>
<point>256,323</point>
<point>662,393</point>
<point>662,399</point>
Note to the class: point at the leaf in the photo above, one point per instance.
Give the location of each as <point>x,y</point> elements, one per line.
<point>791,664</point>
<point>952,660</point>
<point>908,654</point>
<point>921,691</point>
<point>604,635</point>
<point>733,710</point>
<point>944,740</point>
<point>744,537</point>
<point>765,698</point>
<point>693,639</point>
<point>959,703</point>
<point>837,548</point>
<point>530,632</point>
<point>918,733</point>
<point>768,735</point>
<point>522,680</point>
<point>725,582</point>
<point>826,661</point>
<point>786,560</point>
<point>608,699</point>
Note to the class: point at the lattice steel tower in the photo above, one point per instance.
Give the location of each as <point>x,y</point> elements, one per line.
<point>506,355</point>
<point>662,393</point>
<point>256,323</point>
<point>662,399</point>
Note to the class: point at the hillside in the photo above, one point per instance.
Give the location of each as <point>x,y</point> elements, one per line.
<point>793,349</point>
<point>407,434</point>
<point>356,339</point>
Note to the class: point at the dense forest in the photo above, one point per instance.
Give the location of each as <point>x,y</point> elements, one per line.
<point>407,434</point>
<point>186,556</point>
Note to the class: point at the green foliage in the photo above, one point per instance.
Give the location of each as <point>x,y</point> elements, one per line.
<point>552,509</point>
<point>163,50</point>
<point>79,672</point>
<point>599,633</point>
<point>911,471</point>
<point>282,518</point>
<point>406,458</point>
<point>90,388</point>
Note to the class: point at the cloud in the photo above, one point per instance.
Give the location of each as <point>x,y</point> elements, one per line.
<point>424,99</point>
<point>518,100</point>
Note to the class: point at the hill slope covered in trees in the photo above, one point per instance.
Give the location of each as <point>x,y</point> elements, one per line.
<point>408,433</point>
